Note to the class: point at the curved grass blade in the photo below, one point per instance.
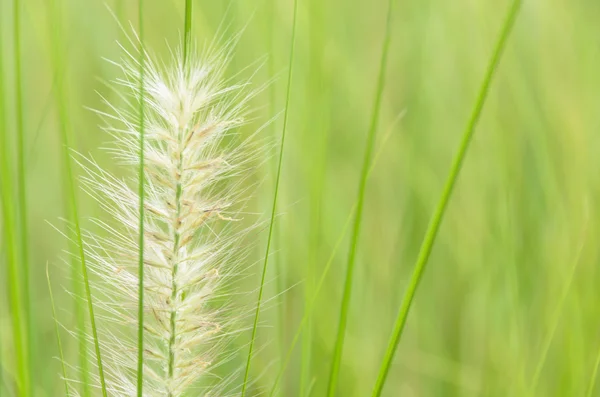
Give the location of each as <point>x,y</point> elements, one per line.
<point>436,220</point>
<point>10,243</point>
<point>275,196</point>
<point>280,276</point>
<point>22,203</point>
<point>73,216</point>
<point>141,194</point>
<point>339,344</point>
<point>61,102</point>
<point>14,284</point>
<point>311,305</point>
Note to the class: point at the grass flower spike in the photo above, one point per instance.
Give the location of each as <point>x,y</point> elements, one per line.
<point>190,242</point>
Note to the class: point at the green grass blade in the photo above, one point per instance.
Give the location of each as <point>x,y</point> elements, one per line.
<point>3,167</point>
<point>308,311</point>
<point>86,281</point>
<point>14,282</point>
<point>57,331</point>
<point>22,202</point>
<point>339,344</point>
<point>141,194</point>
<point>10,241</point>
<point>436,220</point>
<point>187,29</point>
<point>70,203</point>
<point>273,209</point>
<point>280,276</point>
<point>73,213</point>
<point>311,305</point>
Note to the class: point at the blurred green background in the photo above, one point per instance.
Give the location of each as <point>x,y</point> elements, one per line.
<point>509,304</point>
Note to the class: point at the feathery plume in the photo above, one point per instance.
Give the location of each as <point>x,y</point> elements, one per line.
<point>190,244</point>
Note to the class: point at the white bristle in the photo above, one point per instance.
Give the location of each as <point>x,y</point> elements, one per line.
<point>189,245</point>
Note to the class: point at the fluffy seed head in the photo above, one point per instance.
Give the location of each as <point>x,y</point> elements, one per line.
<point>190,244</point>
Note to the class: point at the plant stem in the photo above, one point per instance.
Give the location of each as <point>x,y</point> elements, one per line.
<point>176,220</point>
<point>61,102</point>
<point>73,214</point>
<point>175,268</point>
<point>10,240</point>
<point>309,309</point>
<point>27,335</point>
<point>14,285</point>
<point>280,275</point>
<point>339,345</point>
<point>275,196</point>
<point>436,220</point>
<point>187,29</point>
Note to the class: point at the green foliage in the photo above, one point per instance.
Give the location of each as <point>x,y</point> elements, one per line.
<point>508,303</point>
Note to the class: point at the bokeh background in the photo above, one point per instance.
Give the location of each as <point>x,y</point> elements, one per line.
<point>509,303</point>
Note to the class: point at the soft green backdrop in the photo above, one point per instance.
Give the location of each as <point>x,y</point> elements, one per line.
<point>512,287</point>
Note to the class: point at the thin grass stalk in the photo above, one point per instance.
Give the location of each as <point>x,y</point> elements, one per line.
<point>57,332</point>
<point>4,144</point>
<point>86,282</point>
<point>436,220</point>
<point>14,282</point>
<point>275,196</point>
<point>141,194</point>
<point>22,206</point>
<point>84,274</point>
<point>280,275</point>
<point>174,285</point>
<point>68,186</point>
<point>178,204</point>
<point>10,243</point>
<point>339,344</point>
<point>187,32</point>
<point>308,311</point>
<point>73,216</point>
<point>22,202</point>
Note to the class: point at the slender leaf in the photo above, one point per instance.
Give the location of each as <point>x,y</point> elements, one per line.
<point>22,204</point>
<point>73,214</point>
<point>275,196</point>
<point>63,118</point>
<point>339,344</point>
<point>436,220</point>
<point>308,310</point>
